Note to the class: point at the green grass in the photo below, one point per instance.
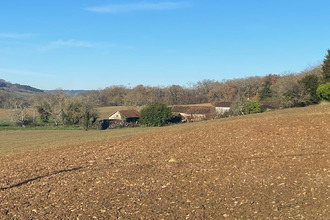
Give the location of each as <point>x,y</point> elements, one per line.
<point>8,125</point>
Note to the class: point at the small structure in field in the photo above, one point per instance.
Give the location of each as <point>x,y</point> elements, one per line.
<point>194,113</point>
<point>121,118</point>
<point>222,107</point>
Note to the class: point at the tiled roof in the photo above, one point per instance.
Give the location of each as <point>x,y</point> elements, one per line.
<point>200,110</point>
<point>180,108</point>
<point>129,113</point>
<point>222,104</point>
<point>193,109</point>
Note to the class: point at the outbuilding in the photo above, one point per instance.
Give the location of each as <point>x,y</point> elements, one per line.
<point>128,116</point>
<point>194,113</point>
<point>222,107</point>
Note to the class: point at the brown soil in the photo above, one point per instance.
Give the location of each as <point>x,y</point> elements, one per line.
<point>267,166</point>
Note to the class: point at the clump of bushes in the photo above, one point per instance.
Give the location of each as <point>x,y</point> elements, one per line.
<point>245,106</point>
<point>323,91</point>
<point>156,114</point>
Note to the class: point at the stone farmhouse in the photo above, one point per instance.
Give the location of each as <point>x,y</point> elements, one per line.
<point>128,116</point>
<point>121,118</point>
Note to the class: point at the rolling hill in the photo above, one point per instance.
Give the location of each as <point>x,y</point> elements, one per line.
<point>18,88</point>
<point>26,90</point>
<point>273,165</point>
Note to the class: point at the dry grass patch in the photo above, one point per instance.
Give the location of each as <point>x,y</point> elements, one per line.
<point>27,140</point>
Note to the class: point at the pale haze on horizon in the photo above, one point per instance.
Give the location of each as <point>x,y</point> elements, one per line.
<point>80,44</point>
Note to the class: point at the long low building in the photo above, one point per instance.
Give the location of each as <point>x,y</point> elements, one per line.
<point>194,113</point>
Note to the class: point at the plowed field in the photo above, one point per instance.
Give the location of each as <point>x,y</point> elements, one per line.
<point>274,165</point>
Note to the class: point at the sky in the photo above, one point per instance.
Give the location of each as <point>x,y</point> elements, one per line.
<point>93,44</point>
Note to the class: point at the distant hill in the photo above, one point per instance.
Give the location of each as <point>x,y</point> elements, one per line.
<point>68,92</point>
<point>26,90</point>
<point>18,88</point>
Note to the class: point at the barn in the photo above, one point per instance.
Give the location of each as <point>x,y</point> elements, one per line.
<point>194,113</point>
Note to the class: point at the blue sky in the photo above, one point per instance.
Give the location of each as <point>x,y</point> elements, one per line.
<point>80,44</point>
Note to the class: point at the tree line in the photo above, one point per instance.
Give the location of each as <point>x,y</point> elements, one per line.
<point>291,90</point>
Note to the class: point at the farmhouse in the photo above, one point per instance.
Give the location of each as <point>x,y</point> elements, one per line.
<point>222,107</point>
<point>120,118</point>
<point>125,116</point>
<point>194,113</point>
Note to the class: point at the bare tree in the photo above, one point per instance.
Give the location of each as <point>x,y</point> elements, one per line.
<point>204,87</point>
<point>136,97</point>
<point>222,92</point>
<point>175,94</point>
<point>113,96</point>
<point>56,103</point>
<point>248,87</point>
<point>159,94</point>
<point>291,91</point>
<point>20,111</point>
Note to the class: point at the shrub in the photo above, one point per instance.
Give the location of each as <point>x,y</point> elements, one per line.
<point>44,111</point>
<point>310,83</point>
<point>238,106</point>
<point>244,106</point>
<point>156,114</point>
<point>323,91</point>
<point>253,107</point>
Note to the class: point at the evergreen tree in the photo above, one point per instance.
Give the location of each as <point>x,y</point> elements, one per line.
<point>86,120</point>
<point>266,91</point>
<point>326,68</point>
<point>310,83</point>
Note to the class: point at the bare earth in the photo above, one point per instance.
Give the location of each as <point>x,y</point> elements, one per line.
<point>268,166</point>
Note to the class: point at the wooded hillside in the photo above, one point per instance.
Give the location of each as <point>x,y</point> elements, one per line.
<point>292,89</point>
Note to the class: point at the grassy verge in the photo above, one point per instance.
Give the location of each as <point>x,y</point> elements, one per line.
<point>7,125</point>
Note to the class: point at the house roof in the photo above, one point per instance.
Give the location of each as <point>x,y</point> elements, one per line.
<point>200,110</point>
<point>222,104</point>
<point>127,113</point>
<point>193,109</point>
<point>180,108</point>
